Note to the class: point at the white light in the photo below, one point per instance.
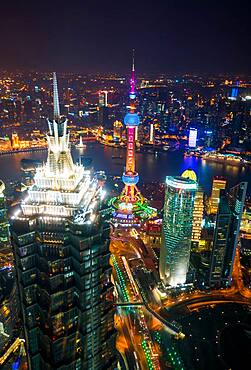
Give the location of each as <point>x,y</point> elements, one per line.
<point>192,137</point>
<point>102,194</point>
<point>92,217</point>
<point>175,183</point>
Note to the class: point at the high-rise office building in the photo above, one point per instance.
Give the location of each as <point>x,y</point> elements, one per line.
<point>226,235</point>
<point>198,213</point>
<point>117,130</point>
<point>103,109</point>
<point>192,139</point>
<point>61,246</point>
<point>198,210</point>
<point>6,256</point>
<point>4,225</point>
<point>15,141</point>
<point>102,98</point>
<point>218,184</point>
<point>177,230</point>
<point>151,133</point>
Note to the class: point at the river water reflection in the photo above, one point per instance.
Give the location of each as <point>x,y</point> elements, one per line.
<point>150,166</point>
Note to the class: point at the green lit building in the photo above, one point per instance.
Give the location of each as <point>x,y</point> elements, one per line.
<point>61,246</point>
<point>226,235</point>
<point>177,230</point>
<point>6,256</point>
<point>4,226</point>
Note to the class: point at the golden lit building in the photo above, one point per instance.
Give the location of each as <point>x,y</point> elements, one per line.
<point>198,210</point>
<point>117,130</point>
<point>15,141</point>
<point>218,184</point>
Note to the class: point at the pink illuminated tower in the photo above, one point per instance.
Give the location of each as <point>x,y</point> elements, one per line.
<point>130,177</point>
<point>130,206</point>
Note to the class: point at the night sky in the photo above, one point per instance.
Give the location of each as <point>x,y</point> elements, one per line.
<point>171,36</point>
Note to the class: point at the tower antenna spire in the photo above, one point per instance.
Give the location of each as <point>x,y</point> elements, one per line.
<point>132,81</point>
<point>55,97</point>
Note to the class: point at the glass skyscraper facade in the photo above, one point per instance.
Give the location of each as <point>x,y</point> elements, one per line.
<point>177,229</point>
<point>4,225</point>
<point>226,235</point>
<point>6,256</point>
<point>219,183</point>
<point>61,246</point>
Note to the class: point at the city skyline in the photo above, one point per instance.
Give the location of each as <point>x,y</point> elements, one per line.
<point>97,36</point>
<point>125,185</point>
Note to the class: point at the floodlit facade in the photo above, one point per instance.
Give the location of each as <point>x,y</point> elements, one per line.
<point>219,183</point>
<point>177,230</point>
<point>117,130</point>
<point>4,225</point>
<point>6,256</point>
<point>198,210</point>
<point>61,245</point>
<point>198,213</point>
<point>226,235</point>
<point>192,139</point>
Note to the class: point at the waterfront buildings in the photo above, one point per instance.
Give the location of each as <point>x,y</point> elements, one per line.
<point>218,184</point>
<point>226,235</point>
<point>177,229</point>
<point>151,133</point>
<point>103,98</point>
<point>192,139</point>
<point>61,246</point>
<point>117,131</point>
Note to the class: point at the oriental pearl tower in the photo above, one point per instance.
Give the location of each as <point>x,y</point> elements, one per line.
<point>131,202</point>
<point>130,177</point>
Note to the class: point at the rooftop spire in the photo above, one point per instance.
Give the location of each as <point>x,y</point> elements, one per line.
<point>132,81</point>
<point>55,97</point>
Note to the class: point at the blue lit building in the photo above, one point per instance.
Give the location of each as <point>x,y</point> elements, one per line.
<point>177,230</point>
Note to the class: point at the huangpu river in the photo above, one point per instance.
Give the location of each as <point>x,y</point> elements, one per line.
<point>151,167</point>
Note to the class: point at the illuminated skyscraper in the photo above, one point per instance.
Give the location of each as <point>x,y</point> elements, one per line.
<point>198,213</point>
<point>177,230</point>
<point>14,141</point>
<point>218,184</point>
<point>6,256</point>
<point>192,140</point>
<point>151,133</point>
<point>4,225</point>
<point>235,91</point>
<point>103,109</point>
<point>102,98</point>
<point>117,130</point>
<point>226,235</point>
<point>198,210</point>
<point>61,245</point>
